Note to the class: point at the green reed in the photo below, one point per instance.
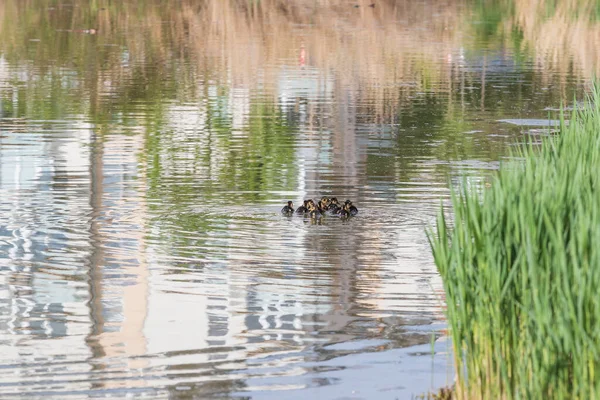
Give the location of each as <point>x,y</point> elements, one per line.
<point>521,269</point>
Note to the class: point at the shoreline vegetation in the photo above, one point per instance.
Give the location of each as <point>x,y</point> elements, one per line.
<point>521,270</point>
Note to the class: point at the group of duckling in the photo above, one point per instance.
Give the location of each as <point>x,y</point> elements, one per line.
<point>325,206</point>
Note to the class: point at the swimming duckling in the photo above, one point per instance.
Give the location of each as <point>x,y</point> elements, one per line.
<point>351,209</point>
<point>303,209</point>
<point>288,210</point>
<point>323,204</point>
<point>334,206</point>
<point>344,213</point>
<point>313,211</point>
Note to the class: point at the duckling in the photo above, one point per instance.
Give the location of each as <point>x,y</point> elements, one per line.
<point>344,213</point>
<point>351,209</point>
<point>334,206</point>
<point>323,204</point>
<point>313,211</point>
<point>288,210</point>
<point>303,209</point>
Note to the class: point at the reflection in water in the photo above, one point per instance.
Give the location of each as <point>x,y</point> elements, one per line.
<point>143,166</point>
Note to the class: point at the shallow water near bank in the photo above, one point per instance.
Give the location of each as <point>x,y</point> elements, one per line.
<point>143,168</point>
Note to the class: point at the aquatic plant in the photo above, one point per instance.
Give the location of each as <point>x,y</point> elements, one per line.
<point>520,263</point>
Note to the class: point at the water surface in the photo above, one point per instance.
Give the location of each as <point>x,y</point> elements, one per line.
<point>146,149</point>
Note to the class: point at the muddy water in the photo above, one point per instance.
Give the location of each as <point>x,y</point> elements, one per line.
<point>146,150</point>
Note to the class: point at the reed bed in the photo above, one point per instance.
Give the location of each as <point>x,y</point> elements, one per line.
<point>549,26</point>
<point>521,269</point>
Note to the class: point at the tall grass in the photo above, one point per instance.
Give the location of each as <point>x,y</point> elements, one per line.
<point>521,270</point>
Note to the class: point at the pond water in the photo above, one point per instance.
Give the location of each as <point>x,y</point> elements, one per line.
<point>147,147</point>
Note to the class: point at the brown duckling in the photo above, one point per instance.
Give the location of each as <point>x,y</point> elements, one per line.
<point>313,211</point>
<point>343,212</point>
<point>350,207</point>
<point>303,209</point>
<point>288,210</point>
<point>323,204</point>
<point>334,206</point>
